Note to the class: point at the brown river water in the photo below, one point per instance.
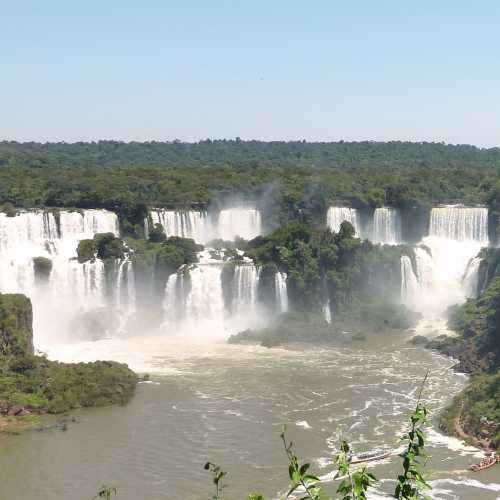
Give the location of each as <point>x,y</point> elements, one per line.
<point>227,404</point>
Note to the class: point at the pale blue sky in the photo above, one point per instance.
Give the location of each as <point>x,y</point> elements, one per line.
<point>315,70</point>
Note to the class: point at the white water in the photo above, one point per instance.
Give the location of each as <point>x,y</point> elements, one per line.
<point>446,262</point>
<point>184,223</point>
<point>202,227</point>
<point>327,313</point>
<point>281,292</point>
<point>409,284</point>
<point>125,295</point>
<point>246,277</point>
<point>471,278</point>
<point>386,226</point>
<point>460,223</point>
<point>72,288</point>
<point>194,306</point>
<point>336,215</point>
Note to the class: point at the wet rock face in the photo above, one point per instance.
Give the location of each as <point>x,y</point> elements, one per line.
<point>16,320</point>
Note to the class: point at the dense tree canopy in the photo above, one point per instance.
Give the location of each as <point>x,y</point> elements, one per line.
<point>288,176</point>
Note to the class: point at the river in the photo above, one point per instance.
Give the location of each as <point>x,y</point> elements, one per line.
<point>227,404</point>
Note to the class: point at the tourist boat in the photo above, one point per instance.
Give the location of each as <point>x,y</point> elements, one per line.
<point>485,463</point>
<point>370,456</point>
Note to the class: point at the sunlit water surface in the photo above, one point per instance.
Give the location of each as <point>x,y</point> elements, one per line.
<point>227,404</point>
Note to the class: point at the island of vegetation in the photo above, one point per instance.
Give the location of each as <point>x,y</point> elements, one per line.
<point>31,385</point>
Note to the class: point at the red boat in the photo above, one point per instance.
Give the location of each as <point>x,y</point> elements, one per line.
<point>485,463</point>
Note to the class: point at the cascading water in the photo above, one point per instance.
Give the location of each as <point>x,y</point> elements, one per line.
<point>387,226</point>
<point>336,215</point>
<point>194,303</point>
<point>446,260</point>
<point>201,226</point>
<point>471,278</point>
<point>327,313</point>
<point>409,283</point>
<point>281,292</point>
<point>71,287</point>
<point>183,223</point>
<point>460,223</point>
<point>86,223</point>
<point>125,286</point>
<point>246,277</point>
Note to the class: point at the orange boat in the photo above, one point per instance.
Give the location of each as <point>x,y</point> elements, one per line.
<point>489,461</point>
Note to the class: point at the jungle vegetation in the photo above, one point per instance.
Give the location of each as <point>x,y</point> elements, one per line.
<point>289,180</point>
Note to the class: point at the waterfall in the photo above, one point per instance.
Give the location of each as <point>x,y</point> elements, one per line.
<point>243,222</point>
<point>174,302</point>
<point>71,287</point>
<point>86,223</point>
<point>246,277</point>
<point>425,268</point>
<point>447,263</point>
<point>194,303</point>
<point>460,223</point>
<point>387,226</point>
<point>281,292</point>
<point>336,215</point>
<point>183,223</point>
<point>409,284</point>
<point>125,286</point>
<point>470,280</point>
<point>200,226</point>
<point>327,313</point>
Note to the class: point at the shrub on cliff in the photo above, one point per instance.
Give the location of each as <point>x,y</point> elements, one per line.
<point>42,267</point>
<point>175,252</point>
<point>85,251</point>
<point>102,246</point>
<point>157,234</point>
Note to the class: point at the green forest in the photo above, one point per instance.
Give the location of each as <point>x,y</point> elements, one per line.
<point>296,175</point>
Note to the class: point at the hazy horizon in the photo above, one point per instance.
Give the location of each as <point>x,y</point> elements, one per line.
<point>234,139</point>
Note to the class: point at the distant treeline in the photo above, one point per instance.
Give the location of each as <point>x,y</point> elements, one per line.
<point>288,180</point>
<point>367,154</point>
